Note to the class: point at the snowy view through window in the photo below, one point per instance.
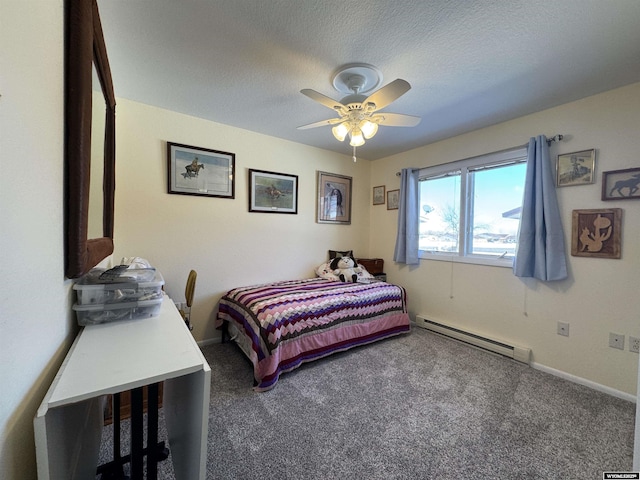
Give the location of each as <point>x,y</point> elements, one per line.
<point>495,199</point>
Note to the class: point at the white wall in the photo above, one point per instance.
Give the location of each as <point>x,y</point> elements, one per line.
<point>600,295</point>
<point>36,326</point>
<point>218,237</point>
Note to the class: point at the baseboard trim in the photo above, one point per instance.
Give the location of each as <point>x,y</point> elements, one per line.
<point>587,383</point>
<point>209,341</point>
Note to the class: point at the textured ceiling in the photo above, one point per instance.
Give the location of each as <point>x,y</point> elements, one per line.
<point>470,63</point>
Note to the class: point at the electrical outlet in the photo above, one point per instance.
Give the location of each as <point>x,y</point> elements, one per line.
<point>616,341</point>
<point>634,344</point>
<point>563,329</point>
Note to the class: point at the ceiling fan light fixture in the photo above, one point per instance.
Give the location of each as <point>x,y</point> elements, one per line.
<point>340,131</point>
<point>369,129</point>
<point>357,111</point>
<point>357,139</point>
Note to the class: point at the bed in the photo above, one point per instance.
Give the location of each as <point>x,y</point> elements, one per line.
<point>279,326</point>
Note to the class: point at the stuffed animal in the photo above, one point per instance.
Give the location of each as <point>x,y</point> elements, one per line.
<point>346,268</point>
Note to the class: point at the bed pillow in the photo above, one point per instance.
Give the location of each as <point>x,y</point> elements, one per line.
<point>324,271</point>
<point>340,253</point>
<point>364,273</point>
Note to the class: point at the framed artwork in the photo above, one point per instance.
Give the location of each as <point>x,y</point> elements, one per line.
<point>596,233</point>
<point>334,198</point>
<point>378,195</point>
<point>271,192</point>
<point>577,168</point>
<point>200,171</point>
<point>393,199</point>
<point>621,184</point>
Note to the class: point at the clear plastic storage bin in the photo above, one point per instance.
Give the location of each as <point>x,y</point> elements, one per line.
<point>111,312</point>
<point>134,285</point>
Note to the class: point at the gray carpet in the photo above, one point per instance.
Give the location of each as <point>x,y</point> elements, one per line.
<point>417,406</point>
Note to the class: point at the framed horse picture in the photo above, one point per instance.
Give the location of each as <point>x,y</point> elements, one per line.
<point>621,184</point>
<point>200,171</point>
<point>271,192</point>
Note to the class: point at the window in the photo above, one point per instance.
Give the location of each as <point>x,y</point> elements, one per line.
<point>470,209</point>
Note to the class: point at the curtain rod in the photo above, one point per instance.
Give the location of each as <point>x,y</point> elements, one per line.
<point>556,138</point>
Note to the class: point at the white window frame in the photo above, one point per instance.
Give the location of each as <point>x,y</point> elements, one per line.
<point>491,160</point>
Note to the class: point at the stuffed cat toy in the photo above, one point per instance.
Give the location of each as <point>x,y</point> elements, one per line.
<point>346,268</point>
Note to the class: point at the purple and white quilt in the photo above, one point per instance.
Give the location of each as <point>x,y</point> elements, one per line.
<point>292,322</point>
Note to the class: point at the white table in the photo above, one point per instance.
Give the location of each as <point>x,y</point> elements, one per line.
<point>116,357</point>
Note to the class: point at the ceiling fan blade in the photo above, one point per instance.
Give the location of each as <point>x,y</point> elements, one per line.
<point>322,123</point>
<point>388,93</point>
<point>395,119</point>
<point>324,100</point>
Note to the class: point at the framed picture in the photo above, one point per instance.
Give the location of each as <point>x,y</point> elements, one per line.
<point>378,195</point>
<point>393,199</point>
<point>200,171</point>
<point>621,184</point>
<point>596,233</point>
<point>577,168</point>
<point>334,198</point>
<point>272,192</point>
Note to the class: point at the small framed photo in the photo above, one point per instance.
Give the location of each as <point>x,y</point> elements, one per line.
<point>621,184</point>
<point>271,192</point>
<point>577,168</point>
<point>378,195</point>
<point>200,171</point>
<point>596,233</point>
<point>393,199</point>
<point>334,198</point>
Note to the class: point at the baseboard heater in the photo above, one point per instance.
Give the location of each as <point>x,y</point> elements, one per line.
<point>521,354</point>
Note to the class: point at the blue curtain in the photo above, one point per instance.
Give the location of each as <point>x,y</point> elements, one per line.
<point>406,250</point>
<point>541,249</point>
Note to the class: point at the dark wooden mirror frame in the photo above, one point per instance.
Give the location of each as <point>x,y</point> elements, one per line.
<point>85,46</point>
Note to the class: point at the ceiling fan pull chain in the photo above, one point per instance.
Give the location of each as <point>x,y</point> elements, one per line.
<point>354,155</point>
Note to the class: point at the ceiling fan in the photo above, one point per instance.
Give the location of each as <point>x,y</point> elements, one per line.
<point>358,114</point>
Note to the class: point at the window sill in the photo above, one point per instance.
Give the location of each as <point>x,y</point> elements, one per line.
<point>475,260</point>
